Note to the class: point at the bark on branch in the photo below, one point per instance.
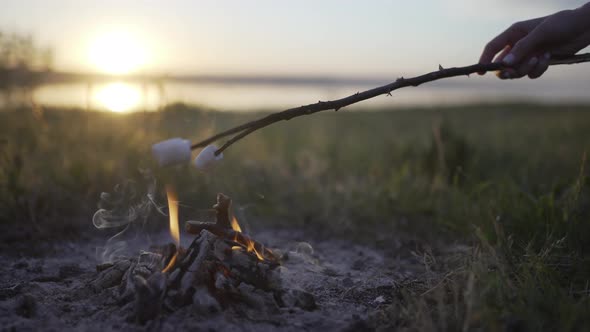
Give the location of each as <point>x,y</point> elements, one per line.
<point>249,127</point>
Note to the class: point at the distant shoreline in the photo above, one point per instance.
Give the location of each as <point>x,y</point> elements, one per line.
<point>246,93</point>
<point>61,77</point>
<point>514,105</point>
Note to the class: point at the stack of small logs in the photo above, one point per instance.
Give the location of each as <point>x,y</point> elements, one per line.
<point>220,268</point>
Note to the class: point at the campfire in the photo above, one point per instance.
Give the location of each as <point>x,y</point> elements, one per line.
<point>221,268</point>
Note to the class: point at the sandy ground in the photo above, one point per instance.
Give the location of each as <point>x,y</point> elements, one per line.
<point>349,282</point>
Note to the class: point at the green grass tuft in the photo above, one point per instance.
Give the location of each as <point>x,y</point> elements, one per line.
<point>509,183</point>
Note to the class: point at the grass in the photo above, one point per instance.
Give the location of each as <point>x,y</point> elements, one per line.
<point>509,183</point>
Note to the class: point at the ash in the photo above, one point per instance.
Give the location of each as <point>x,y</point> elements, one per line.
<point>324,285</point>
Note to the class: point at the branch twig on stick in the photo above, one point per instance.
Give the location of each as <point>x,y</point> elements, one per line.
<point>249,127</point>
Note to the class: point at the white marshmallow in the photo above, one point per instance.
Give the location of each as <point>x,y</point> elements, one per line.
<point>172,151</point>
<point>207,159</point>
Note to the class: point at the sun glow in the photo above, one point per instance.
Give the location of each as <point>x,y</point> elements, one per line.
<point>118,97</point>
<point>118,52</point>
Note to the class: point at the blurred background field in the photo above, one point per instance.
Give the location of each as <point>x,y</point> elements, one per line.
<point>510,181</point>
<point>356,173</point>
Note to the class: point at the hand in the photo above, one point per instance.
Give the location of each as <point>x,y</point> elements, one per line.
<point>527,46</point>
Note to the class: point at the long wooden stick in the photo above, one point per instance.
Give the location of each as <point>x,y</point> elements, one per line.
<point>249,127</point>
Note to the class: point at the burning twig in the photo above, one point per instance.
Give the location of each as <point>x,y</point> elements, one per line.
<point>249,127</point>
<point>195,227</point>
<point>222,211</point>
<point>229,229</point>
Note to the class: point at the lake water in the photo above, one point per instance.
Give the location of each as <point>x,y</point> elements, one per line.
<point>125,97</point>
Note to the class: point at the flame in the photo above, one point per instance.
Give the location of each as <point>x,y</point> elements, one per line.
<point>251,248</point>
<point>171,263</point>
<point>235,225</point>
<point>174,227</point>
<point>173,213</point>
<point>245,241</point>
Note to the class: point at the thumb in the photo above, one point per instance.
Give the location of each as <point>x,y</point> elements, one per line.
<point>522,49</point>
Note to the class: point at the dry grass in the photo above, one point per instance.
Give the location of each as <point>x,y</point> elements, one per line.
<point>500,193</point>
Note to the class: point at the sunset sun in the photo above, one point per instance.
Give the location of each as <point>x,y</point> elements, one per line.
<point>117,52</point>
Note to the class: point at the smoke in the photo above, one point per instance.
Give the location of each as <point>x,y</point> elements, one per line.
<point>128,207</point>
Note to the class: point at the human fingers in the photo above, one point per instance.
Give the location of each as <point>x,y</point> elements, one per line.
<point>520,71</point>
<point>498,44</point>
<point>523,48</point>
<point>541,66</point>
<point>572,46</point>
<point>502,54</point>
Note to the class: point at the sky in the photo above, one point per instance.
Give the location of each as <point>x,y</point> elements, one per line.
<point>268,37</point>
